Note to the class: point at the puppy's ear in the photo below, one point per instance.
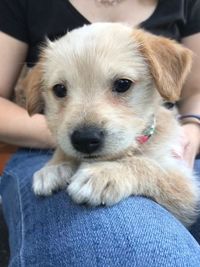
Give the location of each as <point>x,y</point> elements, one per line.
<point>168,61</point>
<point>32,85</point>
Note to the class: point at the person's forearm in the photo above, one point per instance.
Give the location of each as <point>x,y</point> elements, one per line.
<point>18,128</point>
<point>190,104</point>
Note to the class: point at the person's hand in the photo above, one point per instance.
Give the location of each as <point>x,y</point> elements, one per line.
<point>190,143</point>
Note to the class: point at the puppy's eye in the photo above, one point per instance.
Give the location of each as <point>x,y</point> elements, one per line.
<point>122,85</point>
<point>60,90</point>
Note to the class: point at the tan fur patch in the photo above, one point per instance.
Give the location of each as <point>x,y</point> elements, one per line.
<point>169,63</point>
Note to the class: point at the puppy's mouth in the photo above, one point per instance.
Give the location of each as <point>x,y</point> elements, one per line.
<point>88,157</point>
<point>100,157</point>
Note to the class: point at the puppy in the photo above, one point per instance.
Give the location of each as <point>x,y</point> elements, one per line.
<point>102,86</point>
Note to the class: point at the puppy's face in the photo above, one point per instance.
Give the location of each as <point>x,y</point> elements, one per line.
<point>100,90</point>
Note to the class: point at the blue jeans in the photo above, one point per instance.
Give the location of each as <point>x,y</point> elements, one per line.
<point>53,231</point>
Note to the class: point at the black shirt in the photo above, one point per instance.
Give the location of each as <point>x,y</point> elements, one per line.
<point>30,22</point>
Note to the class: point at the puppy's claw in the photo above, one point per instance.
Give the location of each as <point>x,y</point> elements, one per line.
<point>91,186</point>
<point>82,193</point>
<point>51,178</point>
<point>42,184</point>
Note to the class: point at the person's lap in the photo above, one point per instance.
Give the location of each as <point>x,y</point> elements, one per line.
<point>53,231</point>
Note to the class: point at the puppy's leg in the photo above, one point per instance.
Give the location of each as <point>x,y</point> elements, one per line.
<point>93,181</point>
<point>109,182</point>
<point>54,175</point>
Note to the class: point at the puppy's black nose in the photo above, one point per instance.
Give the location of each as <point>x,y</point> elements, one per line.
<point>87,139</point>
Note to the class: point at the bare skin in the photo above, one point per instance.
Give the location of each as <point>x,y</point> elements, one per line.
<point>16,127</point>
<point>190,102</point>
<point>124,12</point>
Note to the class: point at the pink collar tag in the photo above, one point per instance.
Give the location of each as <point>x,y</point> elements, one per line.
<point>142,139</point>
<point>147,133</point>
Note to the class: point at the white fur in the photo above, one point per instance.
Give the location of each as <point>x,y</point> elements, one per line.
<point>51,178</point>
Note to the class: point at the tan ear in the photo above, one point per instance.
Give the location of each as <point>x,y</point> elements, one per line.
<point>32,85</point>
<point>169,62</point>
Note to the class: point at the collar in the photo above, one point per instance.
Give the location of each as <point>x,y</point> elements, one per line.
<point>148,132</point>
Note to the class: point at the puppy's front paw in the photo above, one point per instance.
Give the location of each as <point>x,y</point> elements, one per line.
<point>96,185</point>
<point>51,178</point>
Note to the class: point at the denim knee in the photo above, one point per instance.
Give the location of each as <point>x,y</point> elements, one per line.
<point>53,231</point>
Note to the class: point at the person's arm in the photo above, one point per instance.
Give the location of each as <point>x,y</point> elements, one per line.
<point>190,101</point>
<point>16,126</point>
